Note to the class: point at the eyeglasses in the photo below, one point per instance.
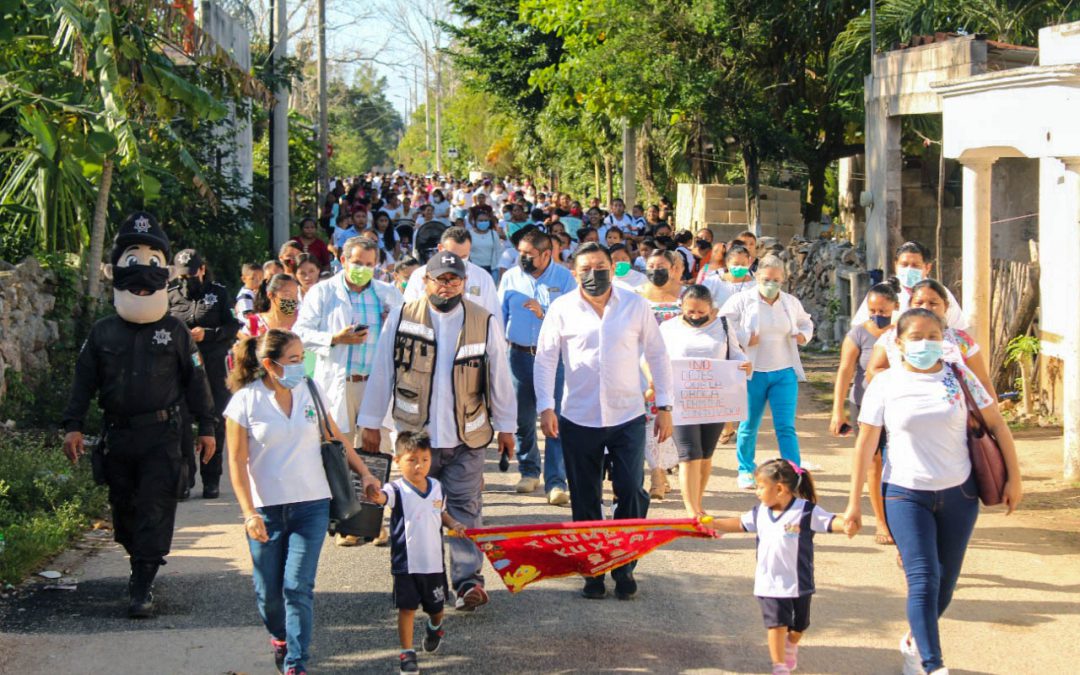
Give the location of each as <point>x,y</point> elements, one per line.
<point>448,282</point>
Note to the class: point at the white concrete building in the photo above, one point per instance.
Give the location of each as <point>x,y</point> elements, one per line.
<point>1030,112</point>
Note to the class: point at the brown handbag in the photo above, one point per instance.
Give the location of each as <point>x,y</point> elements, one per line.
<point>987,462</point>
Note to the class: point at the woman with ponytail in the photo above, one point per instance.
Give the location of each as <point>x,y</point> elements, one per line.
<point>275,461</point>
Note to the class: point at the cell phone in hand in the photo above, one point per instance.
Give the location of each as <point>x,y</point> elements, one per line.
<point>359,328</point>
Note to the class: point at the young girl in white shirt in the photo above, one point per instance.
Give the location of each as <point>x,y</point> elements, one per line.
<point>785,522</point>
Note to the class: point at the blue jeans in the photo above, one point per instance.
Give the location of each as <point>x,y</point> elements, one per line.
<point>461,472</point>
<point>780,388</point>
<point>931,530</point>
<point>284,572</point>
<point>584,453</point>
<point>528,451</point>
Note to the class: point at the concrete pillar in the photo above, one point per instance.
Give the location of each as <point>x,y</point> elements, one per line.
<point>884,162</point>
<point>1071,377</point>
<point>280,130</point>
<point>977,268</point>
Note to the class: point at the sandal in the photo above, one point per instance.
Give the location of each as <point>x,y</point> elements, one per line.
<point>884,540</point>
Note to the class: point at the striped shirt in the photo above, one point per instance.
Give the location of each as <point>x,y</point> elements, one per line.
<point>367,311</point>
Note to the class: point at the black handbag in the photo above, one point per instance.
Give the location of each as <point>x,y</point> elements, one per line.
<point>343,502</point>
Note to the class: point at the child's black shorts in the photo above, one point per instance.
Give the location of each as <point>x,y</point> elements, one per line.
<point>794,613</point>
<point>414,590</point>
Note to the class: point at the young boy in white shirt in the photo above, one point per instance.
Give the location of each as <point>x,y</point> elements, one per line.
<point>417,516</point>
<point>251,275</point>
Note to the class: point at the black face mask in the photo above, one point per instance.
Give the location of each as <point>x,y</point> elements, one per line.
<point>191,287</point>
<point>595,282</point>
<point>698,322</point>
<point>881,321</point>
<point>702,243</point>
<point>528,264</point>
<point>140,278</point>
<point>442,304</point>
<point>658,276</point>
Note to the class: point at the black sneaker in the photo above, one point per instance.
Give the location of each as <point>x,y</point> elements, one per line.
<point>408,662</point>
<point>594,588</point>
<point>281,650</point>
<point>433,638</point>
<point>625,586</point>
<point>185,494</point>
<point>211,491</point>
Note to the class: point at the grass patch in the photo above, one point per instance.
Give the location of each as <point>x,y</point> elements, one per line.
<point>44,501</point>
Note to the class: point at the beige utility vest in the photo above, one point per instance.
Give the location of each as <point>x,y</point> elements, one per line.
<point>414,372</point>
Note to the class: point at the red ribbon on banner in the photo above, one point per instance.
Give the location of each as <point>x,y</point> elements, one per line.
<point>523,554</point>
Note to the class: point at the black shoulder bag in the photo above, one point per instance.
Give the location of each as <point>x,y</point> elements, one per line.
<point>343,501</point>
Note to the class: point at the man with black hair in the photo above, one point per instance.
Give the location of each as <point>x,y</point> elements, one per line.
<point>526,292</point>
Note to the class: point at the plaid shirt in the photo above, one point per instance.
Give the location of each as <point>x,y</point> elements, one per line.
<point>366,310</point>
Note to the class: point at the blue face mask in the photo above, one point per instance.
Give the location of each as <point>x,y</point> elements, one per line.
<point>923,354</point>
<point>909,276</point>
<point>881,321</point>
<point>483,225</point>
<point>293,375</point>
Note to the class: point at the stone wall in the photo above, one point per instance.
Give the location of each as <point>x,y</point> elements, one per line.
<point>26,297</point>
<point>829,278</point>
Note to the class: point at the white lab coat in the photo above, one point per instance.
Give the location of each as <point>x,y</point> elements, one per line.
<point>741,311</point>
<point>326,311</point>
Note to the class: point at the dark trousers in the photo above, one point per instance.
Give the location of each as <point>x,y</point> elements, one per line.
<point>144,472</point>
<point>583,452</point>
<point>211,471</point>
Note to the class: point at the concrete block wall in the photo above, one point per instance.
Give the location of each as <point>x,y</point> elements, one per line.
<point>723,209</point>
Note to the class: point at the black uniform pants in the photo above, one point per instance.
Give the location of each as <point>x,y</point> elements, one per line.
<point>144,472</point>
<point>211,471</point>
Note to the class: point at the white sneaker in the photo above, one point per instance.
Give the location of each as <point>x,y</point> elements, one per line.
<point>940,671</point>
<point>527,485</point>
<point>558,497</point>
<point>912,660</point>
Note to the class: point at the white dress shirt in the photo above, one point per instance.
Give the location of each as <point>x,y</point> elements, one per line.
<point>441,427</point>
<point>602,387</point>
<point>479,288</point>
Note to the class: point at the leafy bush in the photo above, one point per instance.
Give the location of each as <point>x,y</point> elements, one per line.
<point>44,501</point>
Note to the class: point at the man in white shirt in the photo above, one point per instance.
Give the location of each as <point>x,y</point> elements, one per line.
<point>479,285</point>
<point>441,367</point>
<point>599,331</point>
<point>913,264</point>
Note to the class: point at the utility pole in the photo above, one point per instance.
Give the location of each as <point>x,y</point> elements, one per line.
<point>629,164</point>
<point>438,112</point>
<point>279,158</point>
<point>427,104</point>
<point>324,135</point>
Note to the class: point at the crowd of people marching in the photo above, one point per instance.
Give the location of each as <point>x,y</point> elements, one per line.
<point>431,318</point>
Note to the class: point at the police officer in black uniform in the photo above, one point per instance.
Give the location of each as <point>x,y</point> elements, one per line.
<point>205,307</point>
<point>142,364</point>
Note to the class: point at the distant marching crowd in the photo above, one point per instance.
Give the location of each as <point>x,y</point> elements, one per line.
<point>432,317</point>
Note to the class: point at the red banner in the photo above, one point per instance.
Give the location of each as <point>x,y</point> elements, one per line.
<point>523,554</point>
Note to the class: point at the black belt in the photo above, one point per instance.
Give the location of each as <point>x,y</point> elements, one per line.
<point>141,420</point>
<point>523,348</point>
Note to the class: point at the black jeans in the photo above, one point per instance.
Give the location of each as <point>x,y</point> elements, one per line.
<point>144,472</point>
<point>211,471</point>
<point>583,452</point>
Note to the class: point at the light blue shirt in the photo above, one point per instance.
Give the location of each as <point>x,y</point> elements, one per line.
<point>517,288</point>
<point>341,236</point>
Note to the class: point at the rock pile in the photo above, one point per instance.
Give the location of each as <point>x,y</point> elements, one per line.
<point>26,296</point>
<point>830,279</point>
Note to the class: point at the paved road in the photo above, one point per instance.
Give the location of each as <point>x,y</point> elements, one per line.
<point>695,613</point>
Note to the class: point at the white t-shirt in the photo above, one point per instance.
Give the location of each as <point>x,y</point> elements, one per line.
<point>926,417</point>
<point>785,547</point>
<point>284,455</point>
<point>508,259</point>
<point>711,341</point>
<point>774,334</point>
<point>631,280</point>
<point>245,302</point>
<point>415,527</point>
<point>442,209</point>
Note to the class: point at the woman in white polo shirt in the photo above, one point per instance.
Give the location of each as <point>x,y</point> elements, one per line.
<point>698,334</point>
<point>275,462</point>
<point>931,500</point>
<point>771,326</point>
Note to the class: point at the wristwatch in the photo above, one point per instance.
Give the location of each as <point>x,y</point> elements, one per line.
<point>663,408</point>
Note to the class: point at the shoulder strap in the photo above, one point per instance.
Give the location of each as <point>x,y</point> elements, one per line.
<point>324,426</point>
<point>973,409</point>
